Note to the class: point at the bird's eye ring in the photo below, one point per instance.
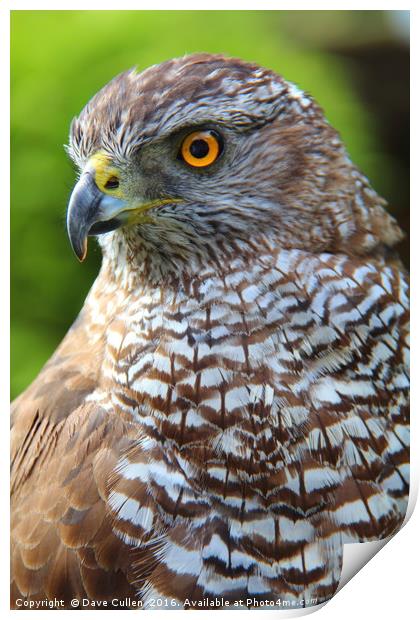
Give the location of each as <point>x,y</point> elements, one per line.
<point>201,148</point>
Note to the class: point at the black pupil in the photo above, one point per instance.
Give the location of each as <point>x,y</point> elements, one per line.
<point>199,149</point>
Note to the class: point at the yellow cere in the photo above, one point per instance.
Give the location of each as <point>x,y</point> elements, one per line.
<point>104,173</point>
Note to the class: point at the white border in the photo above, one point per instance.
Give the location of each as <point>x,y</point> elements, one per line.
<point>248,5</point>
<point>387,585</point>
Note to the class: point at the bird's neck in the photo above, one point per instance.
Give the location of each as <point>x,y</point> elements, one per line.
<point>185,360</point>
<point>136,262</point>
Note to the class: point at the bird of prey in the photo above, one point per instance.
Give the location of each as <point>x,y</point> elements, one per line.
<point>231,405</point>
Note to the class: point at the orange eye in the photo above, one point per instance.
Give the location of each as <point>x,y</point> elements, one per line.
<point>201,148</point>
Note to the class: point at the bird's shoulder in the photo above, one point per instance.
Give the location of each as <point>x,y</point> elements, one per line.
<point>64,450</point>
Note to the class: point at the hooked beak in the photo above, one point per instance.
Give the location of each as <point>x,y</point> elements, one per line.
<point>91,212</point>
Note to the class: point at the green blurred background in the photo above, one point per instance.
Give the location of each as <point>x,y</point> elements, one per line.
<point>356,64</point>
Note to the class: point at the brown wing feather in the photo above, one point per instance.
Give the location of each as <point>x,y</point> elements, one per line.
<point>63,452</point>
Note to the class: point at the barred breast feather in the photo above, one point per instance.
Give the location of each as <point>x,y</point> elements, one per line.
<point>222,438</point>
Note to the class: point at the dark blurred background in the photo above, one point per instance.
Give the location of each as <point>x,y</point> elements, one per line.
<point>355,64</point>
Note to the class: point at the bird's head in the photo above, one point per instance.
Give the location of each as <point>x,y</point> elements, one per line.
<point>202,156</point>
